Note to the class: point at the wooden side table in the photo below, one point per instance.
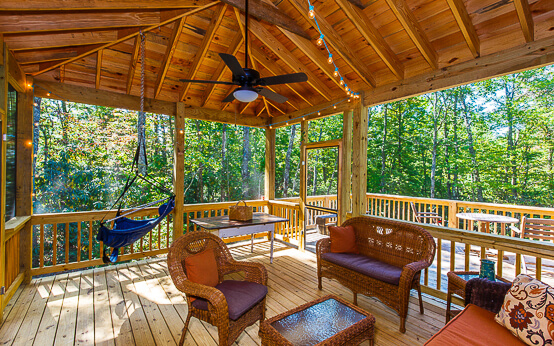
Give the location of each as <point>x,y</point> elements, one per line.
<point>457,285</point>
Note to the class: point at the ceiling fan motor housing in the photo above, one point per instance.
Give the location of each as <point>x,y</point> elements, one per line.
<point>250,78</point>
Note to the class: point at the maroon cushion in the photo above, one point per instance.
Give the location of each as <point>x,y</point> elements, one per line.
<point>241,296</point>
<point>365,265</point>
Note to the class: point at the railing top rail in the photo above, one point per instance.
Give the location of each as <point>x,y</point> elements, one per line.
<point>414,199</point>
<point>286,203</point>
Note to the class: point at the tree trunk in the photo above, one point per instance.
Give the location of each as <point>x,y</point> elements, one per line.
<point>511,154</point>
<point>246,156</point>
<point>224,187</point>
<point>286,174</point>
<point>436,112</point>
<point>476,178</point>
<point>384,149</point>
<point>141,140</point>
<point>200,185</point>
<point>36,129</point>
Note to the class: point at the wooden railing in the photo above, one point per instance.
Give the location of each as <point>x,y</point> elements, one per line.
<point>14,273</point>
<point>291,231</point>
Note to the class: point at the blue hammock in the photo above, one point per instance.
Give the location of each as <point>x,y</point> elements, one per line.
<point>126,231</point>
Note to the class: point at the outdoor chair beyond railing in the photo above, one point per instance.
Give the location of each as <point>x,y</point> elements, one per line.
<point>230,316</point>
<point>391,256</point>
<point>535,229</point>
<point>426,217</point>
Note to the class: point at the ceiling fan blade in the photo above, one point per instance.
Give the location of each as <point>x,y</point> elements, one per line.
<point>284,79</point>
<point>233,64</point>
<point>229,97</point>
<point>272,95</point>
<point>205,81</point>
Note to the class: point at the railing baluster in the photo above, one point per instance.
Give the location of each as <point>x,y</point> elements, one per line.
<point>518,264</point>
<point>499,262</point>
<point>90,240</point>
<point>538,268</point>
<point>54,244</point>
<point>452,255</point>
<point>41,251</point>
<point>467,253</point>
<point>439,262</point>
<point>79,241</point>
<point>66,235</point>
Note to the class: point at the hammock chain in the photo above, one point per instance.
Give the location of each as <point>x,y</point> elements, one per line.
<point>142,54</point>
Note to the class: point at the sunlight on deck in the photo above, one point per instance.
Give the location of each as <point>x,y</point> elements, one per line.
<point>138,303</point>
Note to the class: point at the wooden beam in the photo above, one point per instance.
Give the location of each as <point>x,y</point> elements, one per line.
<point>125,38</point>
<point>288,58</point>
<point>525,19</point>
<point>218,74</point>
<point>98,68</point>
<point>346,164</point>
<point>106,98</point>
<point>3,110</point>
<point>16,76</point>
<point>133,64</point>
<point>372,36</point>
<point>359,159</point>
<point>269,190</point>
<point>303,180</point>
<point>59,39</point>
<point>414,30</point>
<point>466,27</point>
<point>337,43</point>
<point>169,51</point>
<point>72,5</point>
<point>269,13</point>
<point>311,113</point>
<point>179,170</point>
<point>67,20</point>
<point>527,56</point>
<point>217,17</point>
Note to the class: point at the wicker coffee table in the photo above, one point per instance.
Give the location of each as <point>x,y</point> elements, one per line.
<point>329,320</point>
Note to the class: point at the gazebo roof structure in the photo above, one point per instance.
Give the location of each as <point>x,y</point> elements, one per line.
<point>383,49</point>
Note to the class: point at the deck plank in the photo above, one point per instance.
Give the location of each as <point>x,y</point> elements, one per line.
<point>137,303</point>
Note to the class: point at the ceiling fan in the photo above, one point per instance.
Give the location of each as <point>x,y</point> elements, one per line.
<point>250,85</point>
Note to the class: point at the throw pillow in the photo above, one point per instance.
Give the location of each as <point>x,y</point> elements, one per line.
<point>528,311</point>
<point>202,268</point>
<point>343,239</point>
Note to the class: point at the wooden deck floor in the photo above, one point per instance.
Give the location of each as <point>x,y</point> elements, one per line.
<point>137,303</point>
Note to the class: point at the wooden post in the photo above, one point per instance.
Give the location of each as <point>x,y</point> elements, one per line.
<point>346,166</point>
<point>303,142</point>
<point>3,110</point>
<point>179,170</point>
<point>24,177</point>
<point>269,191</point>
<point>452,211</point>
<point>359,159</point>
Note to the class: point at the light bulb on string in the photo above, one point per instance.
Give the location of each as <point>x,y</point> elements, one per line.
<point>318,113</point>
<point>330,58</point>
<point>334,106</point>
<point>341,82</point>
<point>336,73</point>
<point>320,40</point>
<point>303,118</point>
<point>345,87</point>
<point>311,12</point>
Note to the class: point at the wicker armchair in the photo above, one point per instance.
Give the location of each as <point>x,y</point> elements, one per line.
<point>486,294</point>
<point>217,312</point>
<point>400,251</point>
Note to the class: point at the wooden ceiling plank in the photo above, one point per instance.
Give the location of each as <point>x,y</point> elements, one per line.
<point>277,108</point>
<point>414,30</point>
<point>170,50</point>
<point>270,14</point>
<point>133,64</point>
<point>338,44</point>
<point>311,113</point>
<point>73,5</point>
<point>372,36</point>
<point>98,68</point>
<point>525,19</point>
<point>59,39</point>
<point>91,96</point>
<point>218,74</point>
<point>201,52</point>
<point>152,27</point>
<point>466,26</point>
<point>50,54</point>
<point>288,58</point>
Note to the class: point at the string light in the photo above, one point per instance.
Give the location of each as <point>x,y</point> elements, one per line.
<point>341,81</point>
<point>35,104</point>
<point>336,73</point>
<point>334,106</point>
<point>330,58</point>
<point>320,40</point>
<point>303,117</point>
<point>311,12</point>
<point>318,113</point>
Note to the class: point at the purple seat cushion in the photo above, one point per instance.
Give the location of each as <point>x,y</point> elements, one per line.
<point>366,266</point>
<point>241,296</point>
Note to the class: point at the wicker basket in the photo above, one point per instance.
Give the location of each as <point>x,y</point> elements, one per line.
<point>240,212</point>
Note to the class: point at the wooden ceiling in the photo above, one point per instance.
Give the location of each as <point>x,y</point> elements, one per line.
<point>376,44</point>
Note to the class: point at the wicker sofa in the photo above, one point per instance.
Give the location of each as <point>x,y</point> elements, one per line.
<point>388,265</point>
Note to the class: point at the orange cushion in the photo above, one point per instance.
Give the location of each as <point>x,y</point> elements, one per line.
<point>473,326</point>
<point>343,239</point>
<point>202,268</point>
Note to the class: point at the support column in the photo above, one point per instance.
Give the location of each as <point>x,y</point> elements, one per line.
<point>24,178</point>
<point>3,110</point>
<point>179,170</point>
<point>303,179</point>
<point>359,159</point>
<point>269,187</point>
<point>346,174</point>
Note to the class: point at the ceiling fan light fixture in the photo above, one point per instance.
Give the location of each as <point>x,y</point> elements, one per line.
<point>245,95</point>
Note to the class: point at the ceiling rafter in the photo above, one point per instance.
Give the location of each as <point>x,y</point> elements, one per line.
<point>98,68</point>
<point>170,50</point>
<point>125,38</point>
<point>288,58</point>
<point>338,44</point>
<point>218,74</point>
<point>373,37</point>
<point>269,13</point>
<point>73,5</point>
<point>414,30</point>
<point>466,26</point>
<point>217,17</point>
<point>525,19</point>
<point>133,64</point>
